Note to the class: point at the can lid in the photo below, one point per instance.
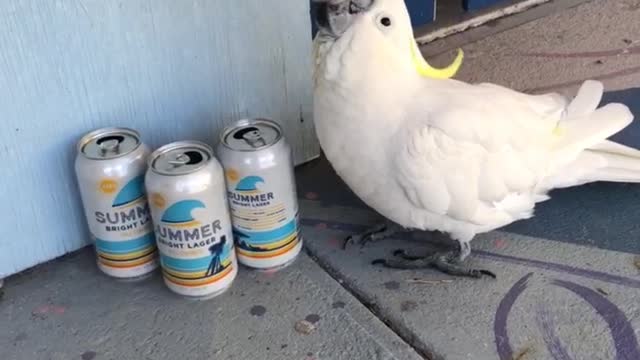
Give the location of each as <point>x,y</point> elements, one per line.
<point>180,158</point>
<point>251,134</point>
<point>109,143</point>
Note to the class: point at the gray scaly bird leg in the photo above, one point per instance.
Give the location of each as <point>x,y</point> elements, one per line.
<point>448,262</point>
<point>375,233</point>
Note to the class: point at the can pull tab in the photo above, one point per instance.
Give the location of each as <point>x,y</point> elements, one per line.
<point>180,160</point>
<point>254,138</point>
<point>110,145</point>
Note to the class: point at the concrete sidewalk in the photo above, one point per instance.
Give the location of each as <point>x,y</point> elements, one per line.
<point>550,297</point>
<point>568,280</point>
<point>68,310</point>
<point>594,40</point>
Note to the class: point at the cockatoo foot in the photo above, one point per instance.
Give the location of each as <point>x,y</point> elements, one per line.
<point>373,234</point>
<point>447,262</point>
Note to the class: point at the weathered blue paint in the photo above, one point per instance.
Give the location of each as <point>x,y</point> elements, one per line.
<point>422,12</point>
<point>471,5</point>
<point>171,69</point>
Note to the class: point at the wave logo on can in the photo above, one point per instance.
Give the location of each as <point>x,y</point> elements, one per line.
<point>261,228</point>
<point>189,238</point>
<point>129,215</point>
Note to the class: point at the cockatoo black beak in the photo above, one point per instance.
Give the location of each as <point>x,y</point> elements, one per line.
<point>334,16</point>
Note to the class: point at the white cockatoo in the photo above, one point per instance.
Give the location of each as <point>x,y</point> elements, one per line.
<point>431,153</point>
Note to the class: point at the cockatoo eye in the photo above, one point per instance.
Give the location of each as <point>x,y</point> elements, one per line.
<point>384,22</point>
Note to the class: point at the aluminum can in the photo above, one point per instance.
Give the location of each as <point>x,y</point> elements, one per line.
<point>262,193</point>
<point>191,219</point>
<point>110,167</point>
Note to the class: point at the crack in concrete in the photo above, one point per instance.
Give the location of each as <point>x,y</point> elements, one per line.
<point>402,331</point>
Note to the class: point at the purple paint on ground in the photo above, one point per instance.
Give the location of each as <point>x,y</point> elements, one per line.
<point>623,335</point>
<point>502,314</point>
<point>548,328</point>
<point>592,274</point>
<point>622,332</point>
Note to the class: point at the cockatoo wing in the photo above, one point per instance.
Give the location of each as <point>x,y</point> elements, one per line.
<point>462,179</point>
<point>479,153</point>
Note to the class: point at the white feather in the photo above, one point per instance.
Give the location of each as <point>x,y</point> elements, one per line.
<point>450,156</point>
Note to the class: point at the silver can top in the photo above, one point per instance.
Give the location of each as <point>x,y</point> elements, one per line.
<point>180,158</point>
<point>251,134</point>
<point>108,143</point>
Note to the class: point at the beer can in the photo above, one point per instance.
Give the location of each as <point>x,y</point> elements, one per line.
<point>110,166</point>
<point>191,218</point>
<point>261,189</point>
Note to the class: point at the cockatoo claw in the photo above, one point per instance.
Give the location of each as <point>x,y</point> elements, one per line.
<point>446,262</point>
<point>376,233</point>
<point>489,273</point>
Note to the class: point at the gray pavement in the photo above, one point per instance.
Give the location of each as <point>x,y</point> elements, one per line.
<point>67,310</point>
<point>568,280</point>
<point>596,39</point>
<point>551,298</point>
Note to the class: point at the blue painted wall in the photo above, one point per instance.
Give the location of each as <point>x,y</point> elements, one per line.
<point>422,12</point>
<point>171,69</point>
<point>471,5</point>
